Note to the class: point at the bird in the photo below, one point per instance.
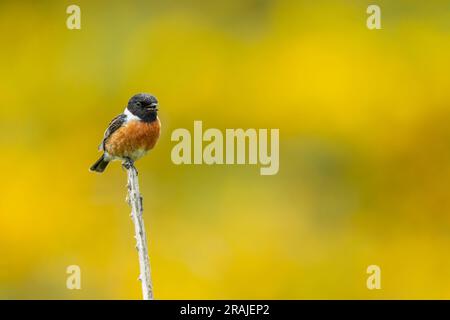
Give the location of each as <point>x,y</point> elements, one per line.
<point>131,134</point>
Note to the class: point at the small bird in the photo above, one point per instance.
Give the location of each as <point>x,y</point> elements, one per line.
<point>131,134</point>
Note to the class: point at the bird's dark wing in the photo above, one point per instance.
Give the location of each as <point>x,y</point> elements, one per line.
<point>115,124</point>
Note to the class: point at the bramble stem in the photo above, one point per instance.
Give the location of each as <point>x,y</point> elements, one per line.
<point>135,201</point>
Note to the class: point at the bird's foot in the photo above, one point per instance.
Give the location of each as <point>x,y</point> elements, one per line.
<point>128,164</point>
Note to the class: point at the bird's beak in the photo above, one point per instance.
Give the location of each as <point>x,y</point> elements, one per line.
<point>153,106</point>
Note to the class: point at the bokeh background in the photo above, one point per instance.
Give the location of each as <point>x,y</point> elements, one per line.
<point>364,149</point>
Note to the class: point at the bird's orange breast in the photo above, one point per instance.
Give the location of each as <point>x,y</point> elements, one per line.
<point>134,139</point>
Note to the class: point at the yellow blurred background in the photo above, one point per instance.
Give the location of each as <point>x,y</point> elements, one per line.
<point>364,149</point>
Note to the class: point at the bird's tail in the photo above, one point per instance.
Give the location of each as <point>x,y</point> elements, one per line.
<point>100,164</point>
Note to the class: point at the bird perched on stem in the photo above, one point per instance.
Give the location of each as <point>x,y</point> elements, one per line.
<point>131,134</point>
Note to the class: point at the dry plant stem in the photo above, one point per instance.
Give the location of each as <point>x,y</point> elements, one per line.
<point>135,201</point>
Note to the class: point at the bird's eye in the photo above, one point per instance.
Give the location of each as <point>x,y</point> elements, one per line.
<point>138,104</point>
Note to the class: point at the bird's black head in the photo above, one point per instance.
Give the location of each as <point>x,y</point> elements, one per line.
<point>144,106</point>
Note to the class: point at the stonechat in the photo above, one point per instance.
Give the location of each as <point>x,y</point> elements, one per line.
<point>131,134</point>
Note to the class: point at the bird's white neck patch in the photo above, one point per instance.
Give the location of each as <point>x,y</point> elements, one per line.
<point>130,116</point>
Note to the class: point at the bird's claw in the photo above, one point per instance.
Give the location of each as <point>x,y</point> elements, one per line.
<point>128,164</point>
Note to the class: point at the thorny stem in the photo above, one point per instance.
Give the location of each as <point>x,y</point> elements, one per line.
<point>134,199</point>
